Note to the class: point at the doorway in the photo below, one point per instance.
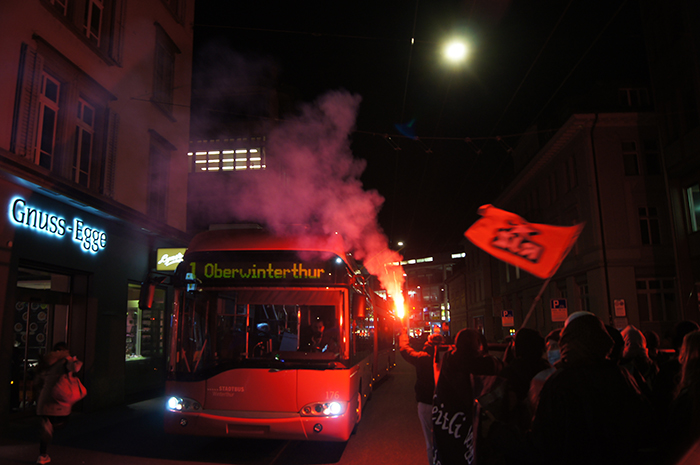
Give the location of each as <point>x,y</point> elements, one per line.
<point>41,319</point>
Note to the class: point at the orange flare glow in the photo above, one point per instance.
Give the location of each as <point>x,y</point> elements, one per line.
<point>398,302</point>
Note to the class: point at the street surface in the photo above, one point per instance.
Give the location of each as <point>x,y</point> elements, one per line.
<point>388,434</point>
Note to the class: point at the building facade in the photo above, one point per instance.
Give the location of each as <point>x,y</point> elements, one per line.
<point>604,170</point>
<point>673,42</point>
<point>94,128</point>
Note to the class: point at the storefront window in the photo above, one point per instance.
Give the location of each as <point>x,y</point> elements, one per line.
<point>144,328</point>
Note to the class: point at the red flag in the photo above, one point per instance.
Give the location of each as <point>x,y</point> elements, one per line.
<point>536,248</point>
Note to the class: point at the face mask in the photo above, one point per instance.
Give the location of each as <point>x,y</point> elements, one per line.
<point>553,356</point>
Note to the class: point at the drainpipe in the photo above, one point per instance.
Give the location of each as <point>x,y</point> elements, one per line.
<point>600,220</point>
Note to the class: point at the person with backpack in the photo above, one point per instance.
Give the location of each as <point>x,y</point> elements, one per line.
<point>55,383</point>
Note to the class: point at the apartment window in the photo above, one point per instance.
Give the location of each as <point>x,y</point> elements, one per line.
<point>176,8</point>
<point>60,5</point>
<point>92,25</point>
<point>584,300</point>
<point>693,202</point>
<point>630,158</point>
<point>158,178</point>
<point>656,300</point>
<point>164,71</point>
<point>48,119</point>
<point>649,225</point>
<point>571,174</point>
<point>97,22</point>
<point>62,122</point>
<point>84,134</point>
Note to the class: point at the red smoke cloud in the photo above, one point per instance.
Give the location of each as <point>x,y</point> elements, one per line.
<point>312,179</point>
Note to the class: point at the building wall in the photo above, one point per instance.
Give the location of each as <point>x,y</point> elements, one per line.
<point>126,97</point>
<point>673,40</point>
<point>580,176</point>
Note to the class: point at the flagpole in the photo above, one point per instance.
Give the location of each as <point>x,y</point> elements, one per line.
<point>534,302</point>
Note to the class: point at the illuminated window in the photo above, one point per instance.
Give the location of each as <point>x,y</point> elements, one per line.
<point>656,300</point>
<point>84,132</point>
<point>48,117</point>
<point>227,160</point>
<point>241,159</point>
<point>255,159</point>
<point>144,328</point>
<point>693,205</point>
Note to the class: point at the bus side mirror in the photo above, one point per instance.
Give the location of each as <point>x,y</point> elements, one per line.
<point>359,307</point>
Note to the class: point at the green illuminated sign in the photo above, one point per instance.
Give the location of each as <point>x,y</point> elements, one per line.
<point>257,271</point>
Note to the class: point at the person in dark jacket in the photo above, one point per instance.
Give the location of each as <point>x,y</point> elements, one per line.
<point>53,413</point>
<point>590,411</point>
<point>682,426</point>
<point>665,383</point>
<point>636,360</point>
<point>425,382</point>
<point>464,372</point>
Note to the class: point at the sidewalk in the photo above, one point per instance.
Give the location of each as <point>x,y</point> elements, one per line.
<point>121,435</point>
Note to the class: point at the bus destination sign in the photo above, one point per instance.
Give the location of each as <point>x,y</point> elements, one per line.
<point>213,272</point>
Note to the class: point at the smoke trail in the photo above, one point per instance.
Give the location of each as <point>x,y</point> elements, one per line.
<point>312,179</point>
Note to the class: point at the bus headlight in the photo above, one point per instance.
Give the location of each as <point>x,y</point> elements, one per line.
<point>324,409</point>
<point>178,404</point>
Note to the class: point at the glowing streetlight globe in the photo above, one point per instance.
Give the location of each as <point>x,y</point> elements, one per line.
<point>456,51</point>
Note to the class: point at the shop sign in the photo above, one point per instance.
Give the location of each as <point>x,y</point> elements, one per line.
<point>168,259</point>
<point>88,238</point>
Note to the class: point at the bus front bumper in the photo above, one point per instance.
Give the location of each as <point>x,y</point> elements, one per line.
<point>260,425</point>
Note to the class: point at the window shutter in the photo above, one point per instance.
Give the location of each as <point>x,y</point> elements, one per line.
<point>117,38</point>
<point>111,154</point>
<point>27,102</point>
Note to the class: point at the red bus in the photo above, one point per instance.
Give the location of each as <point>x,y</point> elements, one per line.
<point>243,358</point>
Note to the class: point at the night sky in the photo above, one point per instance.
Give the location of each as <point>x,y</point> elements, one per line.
<point>525,57</point>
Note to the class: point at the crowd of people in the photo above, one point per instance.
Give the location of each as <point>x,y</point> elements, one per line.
<point>586,393</point>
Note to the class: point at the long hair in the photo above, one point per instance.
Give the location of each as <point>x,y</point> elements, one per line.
<point>690,374</point>
<point>689,359</point>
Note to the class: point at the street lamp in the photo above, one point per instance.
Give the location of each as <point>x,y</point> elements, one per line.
<point>456,51</point>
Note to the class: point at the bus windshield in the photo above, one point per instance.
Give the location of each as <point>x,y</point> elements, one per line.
<point>224,329</point>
